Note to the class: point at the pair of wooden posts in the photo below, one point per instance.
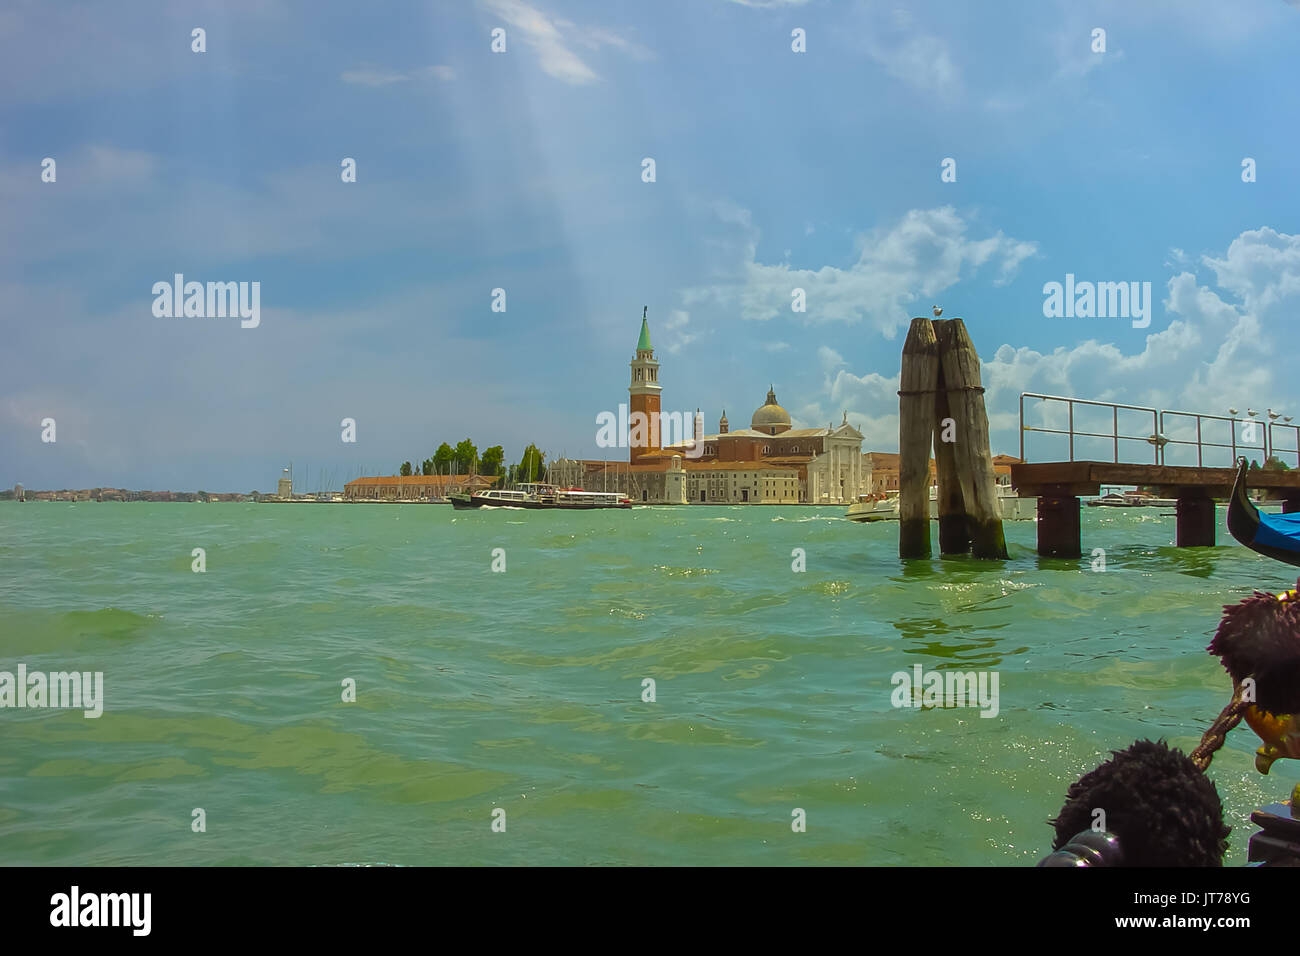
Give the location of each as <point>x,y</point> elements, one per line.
<point>940,381</point>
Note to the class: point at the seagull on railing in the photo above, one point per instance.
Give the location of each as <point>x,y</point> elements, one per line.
<point>1251,412</point>
<point>937,311</point>
<point>1232,411</point>
<point>1273,415</point>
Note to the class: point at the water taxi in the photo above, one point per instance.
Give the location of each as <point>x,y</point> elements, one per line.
<point>534,495</point>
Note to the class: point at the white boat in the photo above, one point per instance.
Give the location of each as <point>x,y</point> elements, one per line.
<point>1012,506</point>
<point>538,495</point>
<point>869,508</point>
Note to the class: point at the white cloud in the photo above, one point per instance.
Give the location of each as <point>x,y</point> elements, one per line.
<point>1213,354</point>
<point>1075,57</point>
<point>830,359</point>
<point>593,38</point>
<point>676,336</point>
<point>925,252</point>
<point>908,54</point>
<point>550,39</point>
<point>1262,267</point>
<point>380,78</point>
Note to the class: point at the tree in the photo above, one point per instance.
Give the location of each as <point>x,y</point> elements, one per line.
<point>492,460</point>
<point>1275,463</point>
<point>442,459</point>
<point>406,469</point>
<point>531,466</point>
<point>465,457</point>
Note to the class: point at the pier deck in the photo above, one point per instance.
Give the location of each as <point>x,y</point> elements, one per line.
<point>1059,484</point>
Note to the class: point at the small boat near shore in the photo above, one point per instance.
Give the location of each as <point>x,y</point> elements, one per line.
<point>870,508</point>
<point>873,508</point>
<point>535,495</point>
<point>1130,499</point>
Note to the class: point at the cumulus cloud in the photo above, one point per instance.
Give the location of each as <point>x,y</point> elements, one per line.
<point>1216,354</point>
<point>1218,351</point>
<point>925,252</point>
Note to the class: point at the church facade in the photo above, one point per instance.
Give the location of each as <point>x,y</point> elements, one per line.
<point>770,462</point>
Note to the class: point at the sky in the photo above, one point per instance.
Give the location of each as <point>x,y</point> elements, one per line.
<point>525,170</point>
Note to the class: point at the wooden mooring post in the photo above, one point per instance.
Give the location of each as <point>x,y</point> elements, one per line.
<point>940,397</point>
<point>954,534</point>
<point>917,381</point>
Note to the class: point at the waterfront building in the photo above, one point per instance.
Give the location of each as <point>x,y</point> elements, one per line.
<point>770,462</point>
<point>881,470</point>
<point>414,487</point>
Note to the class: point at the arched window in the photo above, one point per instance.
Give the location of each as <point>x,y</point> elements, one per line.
<point>767,449</point>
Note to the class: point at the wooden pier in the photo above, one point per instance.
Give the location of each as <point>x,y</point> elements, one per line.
<point>1058,486</point>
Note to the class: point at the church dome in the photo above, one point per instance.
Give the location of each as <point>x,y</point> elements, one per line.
<point>770,417</point>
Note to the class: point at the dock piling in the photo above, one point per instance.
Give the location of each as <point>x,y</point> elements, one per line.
<point>1195,519</point>
<point>1059,532</point>
<point>954,535</point>
<point>940,380</point>
<point>918,379</point>
<point>974,459</point>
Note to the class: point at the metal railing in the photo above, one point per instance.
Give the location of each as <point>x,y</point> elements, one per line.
<point>1158,438</point>
<point>1201,444</point>
<point>1270,446</point>
<point>1114,435</point>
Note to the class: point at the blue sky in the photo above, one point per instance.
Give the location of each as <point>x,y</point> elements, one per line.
<point>522,170</point>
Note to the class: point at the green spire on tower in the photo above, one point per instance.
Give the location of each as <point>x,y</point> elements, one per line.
<point>643,343</point>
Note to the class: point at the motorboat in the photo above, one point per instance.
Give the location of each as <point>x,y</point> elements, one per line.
<point>533,495</point>
<point>871,508</point>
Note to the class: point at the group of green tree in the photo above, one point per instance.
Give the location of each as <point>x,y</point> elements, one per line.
<point>465,459</point>
<point>1273,464</point>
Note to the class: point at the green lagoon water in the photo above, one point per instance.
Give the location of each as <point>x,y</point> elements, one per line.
<point>522,690</point>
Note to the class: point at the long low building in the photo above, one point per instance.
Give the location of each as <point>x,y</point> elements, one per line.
<point>414,487</point>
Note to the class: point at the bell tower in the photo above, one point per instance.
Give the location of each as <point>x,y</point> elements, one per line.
<point>643,392</point>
